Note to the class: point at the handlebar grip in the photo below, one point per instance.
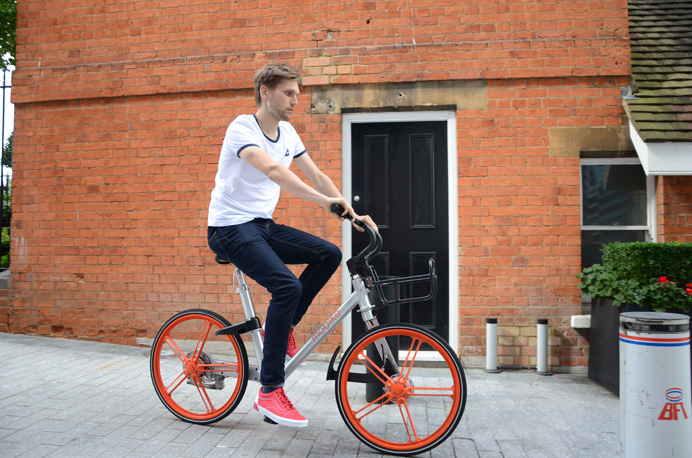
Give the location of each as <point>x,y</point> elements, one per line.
<point>339,211</point>
<point>369,251</point>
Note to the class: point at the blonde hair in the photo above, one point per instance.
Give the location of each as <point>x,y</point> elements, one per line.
<point>271,75</point>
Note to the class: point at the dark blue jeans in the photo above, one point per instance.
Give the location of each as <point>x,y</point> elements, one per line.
<point>261,249</point>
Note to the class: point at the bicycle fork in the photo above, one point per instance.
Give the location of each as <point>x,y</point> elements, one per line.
<point>389,360</point>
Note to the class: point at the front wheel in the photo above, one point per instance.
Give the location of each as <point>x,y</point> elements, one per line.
<point>420,399</point>
<point>200,377</point>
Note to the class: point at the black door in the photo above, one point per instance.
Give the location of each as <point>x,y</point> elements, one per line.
<point>400,179</point>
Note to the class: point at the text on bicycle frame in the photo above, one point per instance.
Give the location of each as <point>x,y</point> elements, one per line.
<point>325,327</point>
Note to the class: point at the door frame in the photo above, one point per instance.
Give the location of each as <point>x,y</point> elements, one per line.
<point>453,203</point>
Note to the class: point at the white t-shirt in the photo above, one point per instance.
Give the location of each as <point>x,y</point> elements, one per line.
<point>243,193</point>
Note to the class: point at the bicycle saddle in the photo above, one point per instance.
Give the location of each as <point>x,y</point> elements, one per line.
<point>221,261</point>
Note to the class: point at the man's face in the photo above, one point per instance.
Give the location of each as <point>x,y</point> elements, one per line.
<point>282,100</point>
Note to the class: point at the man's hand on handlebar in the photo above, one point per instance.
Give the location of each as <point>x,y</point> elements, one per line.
<point>367,220</point>
<point>346,211</point>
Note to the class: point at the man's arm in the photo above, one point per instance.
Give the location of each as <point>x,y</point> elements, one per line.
<point>326,193</point>
<point>288,180</point>
<point>322,182</point>
<point>326,186</point>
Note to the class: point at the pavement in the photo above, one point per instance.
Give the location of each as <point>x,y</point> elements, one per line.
<point>68,398</point>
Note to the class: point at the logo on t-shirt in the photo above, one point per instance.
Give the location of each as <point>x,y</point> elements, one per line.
<point>287,153</point>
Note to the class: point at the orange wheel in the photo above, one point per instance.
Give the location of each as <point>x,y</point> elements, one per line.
<point>199,376</point>
<point>416,407</point>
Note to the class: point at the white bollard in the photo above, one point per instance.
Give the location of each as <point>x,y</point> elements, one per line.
<point>655,391</point>
<point>491,346</point>
<point>542,347</point>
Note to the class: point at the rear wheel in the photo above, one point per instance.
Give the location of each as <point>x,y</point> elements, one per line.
<point>416,409</point>
<point>200,377</point>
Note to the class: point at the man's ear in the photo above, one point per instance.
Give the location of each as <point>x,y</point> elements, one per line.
<point>264,92</point>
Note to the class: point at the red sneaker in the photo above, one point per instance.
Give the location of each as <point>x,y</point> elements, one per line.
<point>277,407</point>
<point>292,347</point>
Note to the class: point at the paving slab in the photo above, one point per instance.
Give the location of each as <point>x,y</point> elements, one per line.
<point>70,398</point>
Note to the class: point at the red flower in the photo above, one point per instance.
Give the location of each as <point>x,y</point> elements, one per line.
<point>663,279</point>
<point>688,288</point>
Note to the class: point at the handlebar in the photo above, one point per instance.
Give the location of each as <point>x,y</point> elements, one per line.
<point>375,244</point>
<point>359,264</point>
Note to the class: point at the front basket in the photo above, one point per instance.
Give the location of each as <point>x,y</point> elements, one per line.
<point>404,287</point>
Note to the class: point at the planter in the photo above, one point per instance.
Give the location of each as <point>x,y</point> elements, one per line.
<point>604,341</point>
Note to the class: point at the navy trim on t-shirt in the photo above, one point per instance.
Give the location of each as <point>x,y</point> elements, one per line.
<point>299,154</point>
<point>278,128</point>
<point>245,146</point>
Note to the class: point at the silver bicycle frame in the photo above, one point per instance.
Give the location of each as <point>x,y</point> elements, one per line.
<point>358,298</point>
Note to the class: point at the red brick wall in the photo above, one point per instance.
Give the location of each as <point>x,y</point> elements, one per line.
<point>519,227</point>
<point>111,213</point>
<point>121,109</point>
<point>84,49</point>
<point>674,198</point>
<point>4,311</point>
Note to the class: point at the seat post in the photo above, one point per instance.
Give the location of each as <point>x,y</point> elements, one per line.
<point>243,290</point>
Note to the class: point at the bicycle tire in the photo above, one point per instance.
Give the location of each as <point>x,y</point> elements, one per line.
<point>418,409</point>
<point>200,377</point>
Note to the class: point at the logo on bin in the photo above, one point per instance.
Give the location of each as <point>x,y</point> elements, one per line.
<point>673,405</point>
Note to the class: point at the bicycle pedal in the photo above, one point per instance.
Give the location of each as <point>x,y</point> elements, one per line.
<point>270,421</point>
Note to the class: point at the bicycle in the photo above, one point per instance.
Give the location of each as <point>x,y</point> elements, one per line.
<point>401,402</point>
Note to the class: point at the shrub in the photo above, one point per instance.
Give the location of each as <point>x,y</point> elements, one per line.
<point>655,274</point>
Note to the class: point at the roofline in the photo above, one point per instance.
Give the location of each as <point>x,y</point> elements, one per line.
<point>662,158</point>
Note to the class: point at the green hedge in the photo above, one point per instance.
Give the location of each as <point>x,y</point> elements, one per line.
<point>631,273</point>
<point>644,260</point>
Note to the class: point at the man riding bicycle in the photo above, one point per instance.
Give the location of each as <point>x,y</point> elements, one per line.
<point>253,167</point>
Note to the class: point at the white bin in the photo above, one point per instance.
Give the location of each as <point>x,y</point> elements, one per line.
<point>655,391</point>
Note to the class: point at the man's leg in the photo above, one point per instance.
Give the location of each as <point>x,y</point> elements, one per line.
<point>297,247</point>
<point>246,246</point>
<point>261,249</point>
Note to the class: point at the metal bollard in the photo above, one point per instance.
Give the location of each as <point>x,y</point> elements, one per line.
<point>655,391</point>
<point>491,346</point>
<point>542,347</point>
